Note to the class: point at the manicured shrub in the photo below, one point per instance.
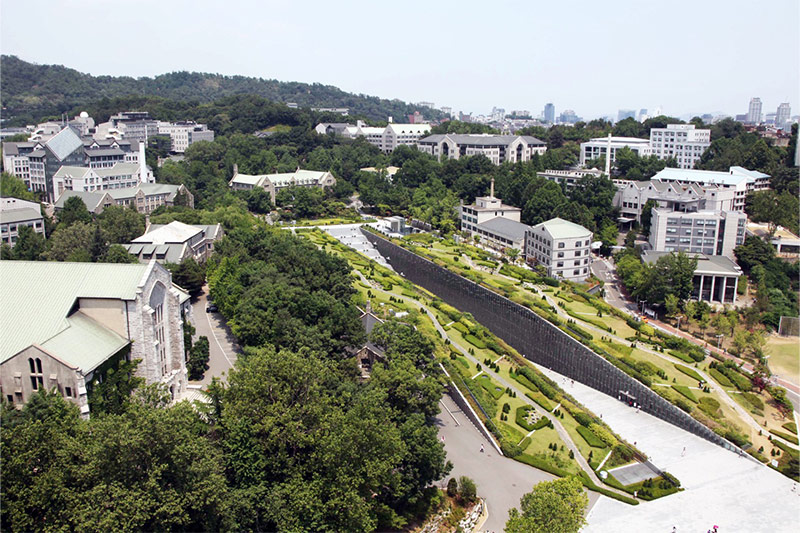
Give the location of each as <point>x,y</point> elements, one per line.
<point>754,400</point>
<point>685,391</point>
<point>475,341</point>
<point>720,378</point>
<point>582,418</point>
<point>452,487</point>
<point>591,439</point>
<point>689,372</point>
<point>784,435</point>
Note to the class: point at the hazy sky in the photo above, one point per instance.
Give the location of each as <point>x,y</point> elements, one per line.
<point>591,56</point>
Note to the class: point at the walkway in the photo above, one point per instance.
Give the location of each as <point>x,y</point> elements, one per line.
<point>501,481</point>
<point>721,489</point>
<point>222,347</point>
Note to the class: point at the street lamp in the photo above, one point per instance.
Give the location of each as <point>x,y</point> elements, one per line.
<point>719,342</point>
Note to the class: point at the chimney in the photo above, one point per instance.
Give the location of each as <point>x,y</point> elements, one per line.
<point>143,178</point>
<point>608,157</point>
<point>235,169</point>
<point>491,189</point>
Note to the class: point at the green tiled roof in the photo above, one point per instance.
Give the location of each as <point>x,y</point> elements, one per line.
<point>36,298</point>
<point>84,343</point>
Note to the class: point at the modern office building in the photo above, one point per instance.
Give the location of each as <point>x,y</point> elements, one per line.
<point>497,148</point>
<point>184,134</point>
<point>145,197</point>
<point>403,134</point>
<point>174,242</point>
<point>715,278</point>
<point>563,248</point>
<point>680,141</point>
<point>622,114</point>
<point>274,183</point>
<point>64,326</point>
<point>741,180</point>
<point>633,195</point>
<point>702,232</point>
<point>598,147</point>
<point>549,113</point>
<point>568,116</point>
<point>15,213</point>
<point>63,148</point>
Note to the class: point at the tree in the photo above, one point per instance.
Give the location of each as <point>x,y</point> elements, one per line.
<point>111,393</point>
<point>119,254</point>
<point>121,224</point>
<point>74,211</point>
<point>630,239</point>
<point>12,186</point>
<point>99,245</point>
<point>552,507</point>
<point>467,490</point>
<point>29,246</point>
<point>754,251</point>
<point>776,209</point>
<point>198,359</point>
<point>188,274</point>
<point>512,254</point>
<point>647,216</point>
<point>70,242</point>
<point>452,487</point>
<point>671,305</point>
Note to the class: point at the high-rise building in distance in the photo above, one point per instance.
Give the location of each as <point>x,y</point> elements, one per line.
<point>626,113</point>
<point>754,111</point>
<point>549,113</point>
<point>782,115</point>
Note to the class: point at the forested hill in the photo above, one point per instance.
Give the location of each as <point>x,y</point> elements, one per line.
<point>31,91</point>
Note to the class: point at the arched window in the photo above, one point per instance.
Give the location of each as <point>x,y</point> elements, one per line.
<point>30,362</point>
<point>38,365</point>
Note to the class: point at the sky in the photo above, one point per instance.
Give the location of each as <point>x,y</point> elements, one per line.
<point>595,57</point>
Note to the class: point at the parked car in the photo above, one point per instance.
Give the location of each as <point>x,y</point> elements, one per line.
<point>211,308</point>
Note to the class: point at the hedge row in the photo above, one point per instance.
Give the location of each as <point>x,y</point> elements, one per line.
<point>589,484</point>
<point>721,378</point>
<point>685,391</point>
<point>525,382</point>
<point>541,382</point>
<point>785,436</point>
<point>540,399</point>
<point>475,341</point>
<point>689,372</point>
<point>591,439</point>
<point>682,356</point>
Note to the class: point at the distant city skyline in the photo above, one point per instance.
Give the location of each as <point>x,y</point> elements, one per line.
<point>598,59</point>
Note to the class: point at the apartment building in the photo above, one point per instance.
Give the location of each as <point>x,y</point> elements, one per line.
<point>274,183</point>
<point>598,147</point>
<point>184,134</point>
<point>682,141</point>
<point>633,195</point>
<point>740,180</point>
<point>145,197</point>
<point>15,213</point>
<point>174,242</point>
<point>702,232</point>
<point>63,326</point>
<point>562,247</point>
<point>497,148</point>
<point>403,135</point>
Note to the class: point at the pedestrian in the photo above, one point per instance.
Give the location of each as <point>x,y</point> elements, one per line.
<point>481,447</point>
<point>683,453</point>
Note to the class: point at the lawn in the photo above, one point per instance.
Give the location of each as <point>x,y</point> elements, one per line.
<point>784,357</point>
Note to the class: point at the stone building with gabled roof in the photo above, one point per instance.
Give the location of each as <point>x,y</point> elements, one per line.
<point>273,183</point>
<point>497,148</point>
<point>64,325</point>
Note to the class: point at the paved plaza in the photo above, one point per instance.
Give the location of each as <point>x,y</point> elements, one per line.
<point>350,235</point>
<point>737,494</point>
<point>500,480</point>
<point>632,473</point>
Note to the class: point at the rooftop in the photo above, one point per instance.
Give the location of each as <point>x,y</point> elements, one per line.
<point>481,139</point>
<point>37,297</point>
<point>558,228</point>
<point>706,264</point>
<point>19,215</point>
<point>172,233</point>
<point>64,143</point>
<point>733,177</point>
<point>625,140</point>
<point>504,227</point>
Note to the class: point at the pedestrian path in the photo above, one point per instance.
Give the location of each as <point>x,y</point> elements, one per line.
<point>721,488</point>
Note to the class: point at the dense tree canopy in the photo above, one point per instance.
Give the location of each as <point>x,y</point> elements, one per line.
<point>551,507</point>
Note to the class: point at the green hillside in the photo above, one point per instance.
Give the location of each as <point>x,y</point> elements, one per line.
<point>31,91</point>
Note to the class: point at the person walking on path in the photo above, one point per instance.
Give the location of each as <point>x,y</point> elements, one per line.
<point>683,453</point>
<point>481,447</point>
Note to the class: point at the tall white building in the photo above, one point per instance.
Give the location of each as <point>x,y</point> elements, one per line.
<point>497,148</point>
<point>562,247</point>
<point>600,146</point>
<point>681,141</point>
<point>754,111</point>
<point>741,180</point>
<point>783,115</point>
<point>386,138</point>
<point>632,197</point>
<point>705,232</point>
<point>184,134</point>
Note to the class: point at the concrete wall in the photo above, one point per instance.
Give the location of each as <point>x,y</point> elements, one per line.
<point>108,312</point>
<point>534,337</point>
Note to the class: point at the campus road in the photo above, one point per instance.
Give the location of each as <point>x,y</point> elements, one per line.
<point>501,481</point>
<point>222,347</point>
<point>605,271</point>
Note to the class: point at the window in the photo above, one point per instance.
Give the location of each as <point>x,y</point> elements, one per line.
<point>68,392</point>
<point>561,245</point>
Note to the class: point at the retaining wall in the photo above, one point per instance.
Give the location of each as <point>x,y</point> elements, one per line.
<point>534,337</point>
